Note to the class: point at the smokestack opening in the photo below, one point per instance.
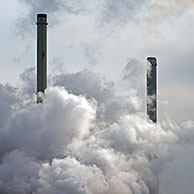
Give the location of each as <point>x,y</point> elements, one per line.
<point>152,89</point>
<point>41,55</point>
<point>41,15</point>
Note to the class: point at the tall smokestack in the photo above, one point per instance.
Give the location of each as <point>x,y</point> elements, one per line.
<point>41,53</point>
<point>152,89</point>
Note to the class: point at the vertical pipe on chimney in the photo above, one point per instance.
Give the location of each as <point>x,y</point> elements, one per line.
<point>152,89</point>
<point>41,54</point>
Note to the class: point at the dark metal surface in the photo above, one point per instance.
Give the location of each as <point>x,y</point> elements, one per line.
<point>41,15</point>
<point>152,89</point>
<point>41,52</point>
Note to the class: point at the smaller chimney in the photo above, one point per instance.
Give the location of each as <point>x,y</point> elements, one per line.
<point>152,89</point>
<point>41,55</point>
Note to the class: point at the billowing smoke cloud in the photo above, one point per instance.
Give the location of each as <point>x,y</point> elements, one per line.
<point>120,12</point>
<point>86,138</point>
<point>57,7</point>
<point>7,101</point>
<point>103,12</point>
<point>133,73</point>
<point>54,8</point>
<point>111,103</point>
<point>178,174</point>
<point>37,117</point>
<point>111,10</point>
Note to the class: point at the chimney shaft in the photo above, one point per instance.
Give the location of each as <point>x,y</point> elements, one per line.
<point>152,89</point>
<point>41,52</point>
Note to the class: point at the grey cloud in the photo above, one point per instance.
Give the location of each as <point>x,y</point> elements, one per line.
<point>31,127</point>
<point>134,72</point>
<point>27,79</point>
<point>104,12</point>
<point>8,97</point>
<point>18,173</point>
<point>110,103</point>
<point>54,8</point>
<point>160,11</point>
<point>68,147</point>
<point>121,11</point>
<point>87,140</point>
<point>86,83</point>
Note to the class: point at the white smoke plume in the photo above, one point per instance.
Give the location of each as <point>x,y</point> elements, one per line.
<point>133,74</point>
<point>7,99</point>
<point>110,11</point>
<point>104,12</point>
<point>86,138</point>
<point>111,103</point>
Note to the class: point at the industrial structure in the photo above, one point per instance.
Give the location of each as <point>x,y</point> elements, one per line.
<point>42,75</point>
<point>152,89</point>
<point>42,70</point>
<point>41,55</point>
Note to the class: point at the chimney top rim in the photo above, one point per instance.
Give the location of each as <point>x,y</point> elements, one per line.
<point>151,58</point>
<point>152,61</point>
<point>41,15</point>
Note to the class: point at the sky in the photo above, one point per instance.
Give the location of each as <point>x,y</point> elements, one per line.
<point>97,50</point>
<point>104,36</point>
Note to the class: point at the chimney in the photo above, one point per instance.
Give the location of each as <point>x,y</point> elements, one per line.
<point>41,54</point>
<point>152,89</point>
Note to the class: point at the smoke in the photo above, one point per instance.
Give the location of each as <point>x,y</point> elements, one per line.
<point>25,126</point>
<point>178,174</point>
<point>121,12</point>
<point>89,137</point>
<point>158,12</point>
<point>111,103</point>
<point>133,74</point>
<point>105,13</point>
<point>54,8</point>
<point>86,138</point>
<point>171,6</point>
<point>7,100</point>
<point>110,11</point>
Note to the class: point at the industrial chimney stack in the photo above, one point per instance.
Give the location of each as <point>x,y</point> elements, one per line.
<point>152,89</point>
<point>41,54</point>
